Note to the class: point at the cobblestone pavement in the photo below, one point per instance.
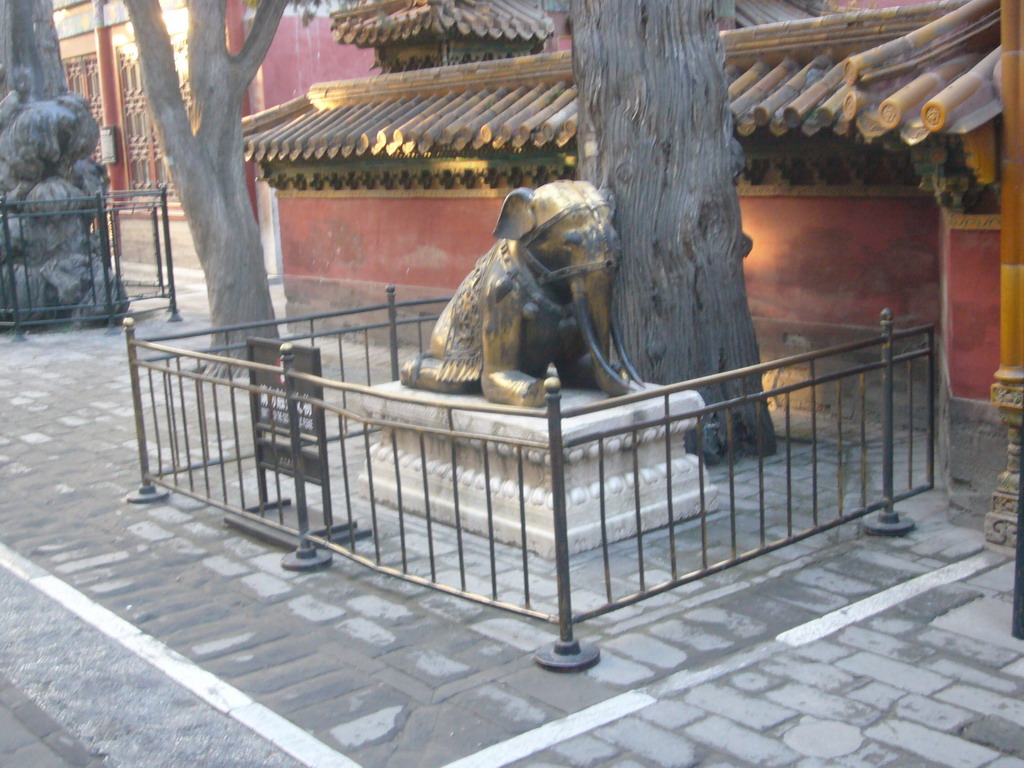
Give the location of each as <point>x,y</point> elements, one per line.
<point>912,664</point>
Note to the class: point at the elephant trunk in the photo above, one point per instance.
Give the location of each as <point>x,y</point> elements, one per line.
<point>595,325</point>
<point>620,350</point>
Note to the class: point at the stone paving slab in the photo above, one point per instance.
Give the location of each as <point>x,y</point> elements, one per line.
<point>392,674</point>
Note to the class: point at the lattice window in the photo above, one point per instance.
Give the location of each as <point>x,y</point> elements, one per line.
<point>145,161</point>
<point>83,74</point>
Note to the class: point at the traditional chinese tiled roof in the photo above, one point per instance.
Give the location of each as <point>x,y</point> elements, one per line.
<point>750,13</point>
<point>848,72</point>
<point>495,105</point>
<point>908,72</point>
<point>377,22</point>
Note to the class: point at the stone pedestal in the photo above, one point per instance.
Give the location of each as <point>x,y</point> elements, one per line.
<point>584,472</point>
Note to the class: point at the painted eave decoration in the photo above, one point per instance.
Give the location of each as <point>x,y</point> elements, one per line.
<point>903,73</point>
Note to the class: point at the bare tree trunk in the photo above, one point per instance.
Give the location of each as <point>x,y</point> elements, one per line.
<point>656,131</point>
<point>28,40</point>
<point>224,230</point>
<point>204,149</point>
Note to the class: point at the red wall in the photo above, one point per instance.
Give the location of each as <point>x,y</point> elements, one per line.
<point>834,263</point>
<point>842,260</point>
<point>409,241</point>
<point>971,326</point>
<point>302,55</point>
<point>830,261</point>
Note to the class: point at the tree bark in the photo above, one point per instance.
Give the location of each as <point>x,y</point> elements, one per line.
<point>28,41</point>
<point>655,130</point>
<point>204,149</point>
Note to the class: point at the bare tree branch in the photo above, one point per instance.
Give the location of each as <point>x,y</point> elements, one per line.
<point>207,50</point>
<point>204,155</point>
<point>257,42</point>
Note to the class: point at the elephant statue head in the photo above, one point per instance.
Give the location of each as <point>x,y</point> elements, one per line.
<point>542,296</point>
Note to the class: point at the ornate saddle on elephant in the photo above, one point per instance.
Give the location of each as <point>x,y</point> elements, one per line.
<point>541,296</point>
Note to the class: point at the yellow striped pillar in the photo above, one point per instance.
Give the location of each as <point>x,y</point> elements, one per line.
<point>1008,390</point>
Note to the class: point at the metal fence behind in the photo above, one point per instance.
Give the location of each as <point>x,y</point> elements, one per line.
<point>95,276</point>
<point>562,513</point>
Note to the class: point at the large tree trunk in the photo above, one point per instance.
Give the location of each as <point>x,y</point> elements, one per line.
<point>203,148</point>
<point>28,41</point>
<point>214,197</point>
<point>656,131</point>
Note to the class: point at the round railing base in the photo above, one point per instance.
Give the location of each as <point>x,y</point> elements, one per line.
<point>888,524</point>
<point>306,560</point>
<point>573,656</point>
<point>147,494</point>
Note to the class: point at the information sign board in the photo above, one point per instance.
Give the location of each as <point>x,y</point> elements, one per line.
<point>270,412</point>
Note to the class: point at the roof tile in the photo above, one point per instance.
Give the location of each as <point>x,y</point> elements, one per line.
<point>372,23</point>
<point>915,71</point>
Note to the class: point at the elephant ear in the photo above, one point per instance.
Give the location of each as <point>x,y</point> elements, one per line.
<point>517,217</point>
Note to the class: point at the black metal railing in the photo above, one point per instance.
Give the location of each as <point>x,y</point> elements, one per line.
<point>563,513</point>
<point>85,259</point>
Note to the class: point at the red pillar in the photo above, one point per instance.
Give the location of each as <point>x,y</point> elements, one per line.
<point>111,98</point>
<point>1008,391</point>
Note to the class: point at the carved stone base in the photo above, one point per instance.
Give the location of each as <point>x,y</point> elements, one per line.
<point>1001,528</point>
<point>512,509</point>
<point>1001,522</point>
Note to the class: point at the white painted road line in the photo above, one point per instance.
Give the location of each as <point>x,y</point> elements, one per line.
<point>264,722</point>
<point>531,742</point>
<point>869,606</point>
<point>294,741</point>
<point>685,679</point>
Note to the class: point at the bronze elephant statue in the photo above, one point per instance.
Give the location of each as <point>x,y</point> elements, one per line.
<point>541,296</point>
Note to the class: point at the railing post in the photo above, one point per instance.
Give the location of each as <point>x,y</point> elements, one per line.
<point>106,259</point>
<point>147,492</point>
<point>9,263</point>
<point>566,654</point>
<point>306,557</point>
<point>887,522</point>
<point>931,407</point>
<point>157,253</point>
<point>1017,622</point>
<point>172,294</point>
<point>393,331</point>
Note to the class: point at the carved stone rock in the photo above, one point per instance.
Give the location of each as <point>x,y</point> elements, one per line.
<point>51,255</point>
<point>51,260</point>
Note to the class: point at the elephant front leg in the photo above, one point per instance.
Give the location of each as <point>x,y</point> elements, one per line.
<point>449,377</point>
<point>503,379</point>
<point>505,339</point>
<point>512,387</point>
